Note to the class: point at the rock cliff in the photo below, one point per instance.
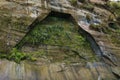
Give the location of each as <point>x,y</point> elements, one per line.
<point>18,16</point>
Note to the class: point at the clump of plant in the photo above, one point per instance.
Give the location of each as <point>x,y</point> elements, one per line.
<point>17,56</point>
<point>73,2</point>
<point>114,7</point>
<point>88,17</point>
<point>100,27</point>
<point>111,18</point>
<point>87,6</point>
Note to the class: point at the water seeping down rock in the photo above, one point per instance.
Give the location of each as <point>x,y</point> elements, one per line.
<point>16,18</point>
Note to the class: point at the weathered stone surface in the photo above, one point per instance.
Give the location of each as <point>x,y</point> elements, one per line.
<point>55,71</point>
<point>16,17</point>
<point>116,71</point>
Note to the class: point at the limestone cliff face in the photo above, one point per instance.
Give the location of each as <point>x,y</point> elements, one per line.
<point>16,16</point>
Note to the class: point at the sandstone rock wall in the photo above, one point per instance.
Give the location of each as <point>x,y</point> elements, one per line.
<point>30,71</point>
<point>17,16</point>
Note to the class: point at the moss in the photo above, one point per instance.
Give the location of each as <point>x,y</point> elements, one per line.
<point>73,2</point>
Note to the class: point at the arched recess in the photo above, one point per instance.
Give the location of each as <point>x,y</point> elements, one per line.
<point>89,38</point>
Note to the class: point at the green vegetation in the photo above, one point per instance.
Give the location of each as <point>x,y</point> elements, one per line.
<point>114,34</point>
<point>17,56</point>
<point>93,26</point>
<point>88,17</point>
<point>100,27</point>
<point>45,34</point>
<point>73,2</point>
<point>87,6</point>
<point>111,18</point>
<point>112,30</point>
<point>14,55</point>
<point>60,33</point>
<point>113,25</point>
<point>114,7</point>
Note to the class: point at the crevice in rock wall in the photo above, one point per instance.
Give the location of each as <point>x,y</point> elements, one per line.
<point>93,43</point>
